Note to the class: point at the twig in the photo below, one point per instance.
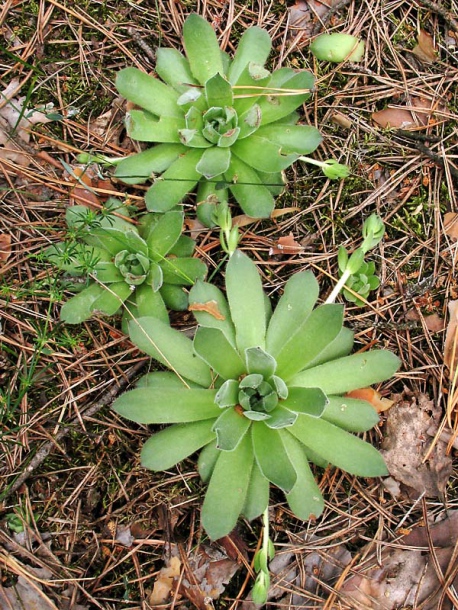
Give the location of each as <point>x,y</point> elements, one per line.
<point>333,9</point>
<point>442,12</point>
<point>46,449</point>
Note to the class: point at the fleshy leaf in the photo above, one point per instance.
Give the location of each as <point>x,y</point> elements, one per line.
<point>138,168</point>
<point>148,302</point>
<point>183,271</point>
<point>210,308</point>
<point>246,300</point>
<point>350,414</point>
<point>277,106</point>
<point>175,297</point>
<point>301,139</point>
<point>305,499</point>
<point>214,161</point>
<point>253,46</point>
<point>162,234</point>
<point>271,456</point>
<point>230,427</point>
<point>257,497</point>
<point>253,196</point>
<point>174,69</point>
<point>202,48</point>
<point>259,361</point>
<point>280,418</point>
<point>320,328</point>
<point>178,180</point>
<point>111,299</point>
<point>247,92</point>
<point>145,127</point>
<point>207,460</point>
<point>339,447</point>
<point>170,347</point>
<point>228,393</point>
<point>312,401</point>
<point>262,154</point>
<point>349,373</point>
<point>152,405</point>
<point>213,348</point>
<point>218,92</point>
<point>172,445</point>
<point>341,346</point>
<point>227,490</point>
<point>160,379</point>
<point>148,92</point>
<point>295,305</point>
<point>79,308</point>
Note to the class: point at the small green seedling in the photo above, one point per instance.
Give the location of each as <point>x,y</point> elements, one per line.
<point>115,263</point>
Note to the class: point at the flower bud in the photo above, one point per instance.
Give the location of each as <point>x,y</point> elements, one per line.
<point>373,231</point>
<point>338,47</point>
<point>334,170</point>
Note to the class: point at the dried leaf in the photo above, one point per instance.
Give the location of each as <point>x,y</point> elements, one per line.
<point>407,443</point>
<point>286,245</point>
<point>451,337</point>
<point>5,247</point>
<point>303,15</point>
<point>433,322</point>
<point>210,307</point>
<point>451,225</point>
<point>407,578</point>
<point>425,50</point>
<point>27,593</point>
<point>373,397</point>
<point>124,535</point>
<point>164,582</point>
<point>398,118</point>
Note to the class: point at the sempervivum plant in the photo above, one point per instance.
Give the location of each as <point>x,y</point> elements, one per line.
<point>217,123</point>
<point>114,262</point>
<point>261,394</point>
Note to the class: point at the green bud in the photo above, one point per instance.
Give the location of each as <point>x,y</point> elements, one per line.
<point>373,231</point>
<point>355,261</point>
<point>337,48</point>
<point>261,588</point>
<point>334,170</point>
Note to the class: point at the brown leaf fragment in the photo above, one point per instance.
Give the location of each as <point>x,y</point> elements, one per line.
<point>5,247</point>
<point>303,15</point>
<point>210,307</point>
<point>408,441</point>
<point>425,50</point>
<point>397,118</point>
<point>164,581</point>
<point>451,225</point>
<point>433,322</point>
<point>286,245</point>
<point>373,397</point>
<point>451,337</point>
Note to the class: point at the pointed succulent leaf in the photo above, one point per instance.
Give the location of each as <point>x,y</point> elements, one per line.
<point>249,121</point>
<point>349,373</point>
<point>339,447</point>
<point>246,301</point>
<point>211,309</point>
<point>312,401</point>
<point>275,183</point>
<point>230,427</point>
<point>163,234</point>
<point>174,69</point>
<point>207,460</point>
<point>257,497</point>
<point>249,87</point>
<point>302,139</point>
<point>113,240</point>
<point>256,415</point>
<point>280,387</point>
<point>271,456</point>
<point>351,414</point>
<point>277,106</point>
<point>168,447</point>
<point>183,248</point>
<point>218,92</point>
<point>167,405</point>
<point>141,125</point>
<point>183,271</point>
<point>320,328</point>
<point>144,302</point>
<point>341,346</point>
<point>214,161</point>
<point>305,499</point>
<point>247,187</point>
<point>295,305</point>
<point>254,46</point>
<point>79,308</point>
<point>148,92</point>
<point>170,347</point>
<point>192,138</point>
<point>202,48</point>
<point>111,299</point>
<point>259,361</point>
<point>107,273</point>
<point>262,154</point>
<point>227,490</point>
<point>138,168</point>
<point>175,183</point>
<point>213,348</point>
<point>228,394</point>
<point>155,276</point>
<point>280,417</point>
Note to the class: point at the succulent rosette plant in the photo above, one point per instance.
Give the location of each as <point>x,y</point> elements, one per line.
<point>261,394</point>
<point>219,124</point>
<point>114,262</point>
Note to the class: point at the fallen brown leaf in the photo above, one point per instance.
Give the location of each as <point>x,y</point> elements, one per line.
<point>433,322</point>
<point>286,245</point>
<point>373,397</point>
<point>451,337</point>
<point>407,442</point>
<point>451,225</point>
<point>5,247</point>
<point>303,15</point>
<point>210,307</point>
<point>425,50</point>
<point>420,113</point>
